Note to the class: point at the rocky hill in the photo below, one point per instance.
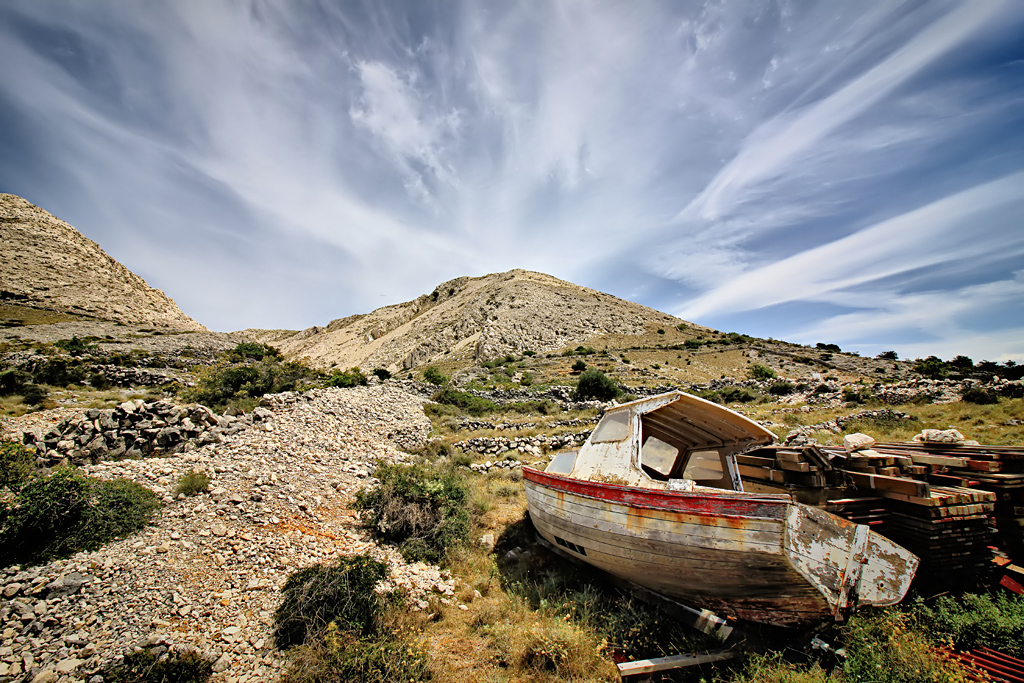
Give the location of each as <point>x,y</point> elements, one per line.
<point>47,264</point>
<point>471,319</point>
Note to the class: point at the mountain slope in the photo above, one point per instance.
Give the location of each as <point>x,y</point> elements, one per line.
<point>46,263</point>
<point>470,318</point>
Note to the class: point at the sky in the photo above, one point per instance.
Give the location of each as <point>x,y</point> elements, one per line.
<point>848,173</point>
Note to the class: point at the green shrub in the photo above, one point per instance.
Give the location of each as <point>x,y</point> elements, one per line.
<point>220,385</point>
<point>887,355</point>
<point>579,366</point>
<point>99,381</point>
<point>67,512</point>
<point>761,372</point>
<point>13,382</point>
<point>474,405</point>
<point>323,594</point>
<point>979,396</point>
<point>381,374</point>
<point>434,376</point>
<point>74,346</point>
<point>142,666</point>
<point>342,657</point>
<point>969,621</point>
<point>422,509</point>
<point>33,395</point>
<point>544,407</point>
<point>594,384</point>
<point>781,388</point>
<point>527,379</point>
<point>349,378</point>
<point>739,395</point>
<point>692,344</point>
<point>192,483</point>
<point>252,351</point>
<point>932,367</point>
<point>16,465</point>
<point>855,395</point>
<point>59,372</point>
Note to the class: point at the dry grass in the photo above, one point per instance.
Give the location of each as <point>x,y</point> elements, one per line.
<point>986,424</point>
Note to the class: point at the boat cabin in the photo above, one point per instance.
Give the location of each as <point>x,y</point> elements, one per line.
<point>672,441</point>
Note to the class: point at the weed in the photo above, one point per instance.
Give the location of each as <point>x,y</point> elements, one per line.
<point>422,508</point>
<point>143,666</point>
<point>341,594</point>
<point>192,483</point>
<point>66,512</point>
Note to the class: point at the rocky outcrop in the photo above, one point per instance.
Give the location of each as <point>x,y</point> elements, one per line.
<point>471,318</point>
<point>46,263</point>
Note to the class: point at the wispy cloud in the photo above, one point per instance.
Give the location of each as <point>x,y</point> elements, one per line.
<point>709,158</point>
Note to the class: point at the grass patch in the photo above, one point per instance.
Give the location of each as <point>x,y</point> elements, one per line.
<point>192,484</point>
<point>67,512</point>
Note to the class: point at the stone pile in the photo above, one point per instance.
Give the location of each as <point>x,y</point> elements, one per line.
<point>134,429</point>
<point>533,445</point>
<point>207,574</point>
<point>478,425</point>
<point>137,377</point>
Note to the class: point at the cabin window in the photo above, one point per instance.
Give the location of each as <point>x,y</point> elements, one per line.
<point>658,456</point>
<point>562,463</point>
<point>703,465</point>
<point>613,427</point>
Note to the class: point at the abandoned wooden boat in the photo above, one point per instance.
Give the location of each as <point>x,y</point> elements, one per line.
<point>655,497</point>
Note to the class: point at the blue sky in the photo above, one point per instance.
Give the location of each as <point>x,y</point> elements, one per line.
<point>851,173</point>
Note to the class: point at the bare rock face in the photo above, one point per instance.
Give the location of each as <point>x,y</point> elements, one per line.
<point>46,263</point>
<point>479,318</point>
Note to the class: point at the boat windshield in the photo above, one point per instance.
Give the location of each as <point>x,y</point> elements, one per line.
<point>562,463</point>
<point>658,455</point>
<point>613,427</point>
<point>703,465</point>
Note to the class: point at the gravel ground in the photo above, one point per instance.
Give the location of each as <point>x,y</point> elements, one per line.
<point>206,575</point>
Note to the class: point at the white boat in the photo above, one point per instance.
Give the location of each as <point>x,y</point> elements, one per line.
<point>655,497</point>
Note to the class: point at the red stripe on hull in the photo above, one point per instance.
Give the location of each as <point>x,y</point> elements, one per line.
<point>725,504</point>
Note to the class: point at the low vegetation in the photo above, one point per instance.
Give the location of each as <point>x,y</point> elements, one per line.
<point>594,384</point>
<point>143,666</point>
<point>343,628</point>
<point>247,373</point>
<point>192,484</point>
<point>66,512</point>
<point>422,508</point>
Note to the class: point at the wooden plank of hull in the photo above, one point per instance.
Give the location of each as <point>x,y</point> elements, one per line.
<point>715,563</point>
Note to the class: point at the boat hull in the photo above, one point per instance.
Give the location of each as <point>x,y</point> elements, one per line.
<point>735,554</point>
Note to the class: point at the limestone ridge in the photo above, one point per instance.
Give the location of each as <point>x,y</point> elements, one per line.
<point>46,263</point>
<point>470,318</point>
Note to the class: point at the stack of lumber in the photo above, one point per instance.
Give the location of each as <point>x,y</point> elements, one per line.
<point>872,511</point>
<point>937,500</point>
<point>802,471</point>
<point>934,511</point>
<point>996,469</point>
